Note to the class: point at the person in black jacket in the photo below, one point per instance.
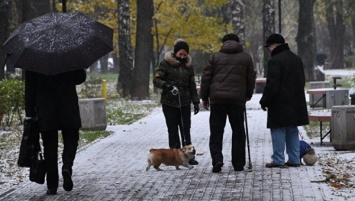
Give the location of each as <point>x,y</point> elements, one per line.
<point>175,75</point>
<point>53,101</point>
<point>285,102</point>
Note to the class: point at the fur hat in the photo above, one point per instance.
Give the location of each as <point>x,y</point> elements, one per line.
<point>310,159</point>
<point>181,45</point>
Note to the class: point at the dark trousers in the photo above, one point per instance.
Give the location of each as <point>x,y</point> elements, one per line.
<point>50,144</point>
<point>218,116</point>
<point>173,122</point>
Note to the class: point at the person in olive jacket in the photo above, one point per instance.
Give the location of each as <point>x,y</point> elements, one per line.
<point>285,101</point>
<point>227,83</point>
<point>175,75</point>
<point>53,101</point>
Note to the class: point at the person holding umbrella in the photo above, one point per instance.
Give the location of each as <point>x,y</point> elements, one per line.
<point>53,100</point>
<point>54,49</point>
<point>176,77</point>
<point>227,84</point>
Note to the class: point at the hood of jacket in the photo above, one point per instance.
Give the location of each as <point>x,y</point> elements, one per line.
<point>171,59</point>
<point>231,46</point>
<point>229,76</point>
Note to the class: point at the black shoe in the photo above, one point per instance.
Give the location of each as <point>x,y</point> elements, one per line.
<point>292,165</point>
<point>238,168</point>
<point>67,183</point>
<point>217,167</point>
<point>271,165</point>
<point>193,162</point>
<point>51,191</point>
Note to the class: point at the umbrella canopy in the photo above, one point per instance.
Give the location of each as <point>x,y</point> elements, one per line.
<point>58,42</point>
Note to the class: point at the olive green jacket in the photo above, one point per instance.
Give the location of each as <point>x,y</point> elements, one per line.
<point>173,72</point>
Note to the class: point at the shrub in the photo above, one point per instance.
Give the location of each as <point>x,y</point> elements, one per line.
<point>91,87</point>
<point>12,99</point>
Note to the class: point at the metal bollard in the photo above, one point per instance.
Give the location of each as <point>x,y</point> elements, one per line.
<point>104,89</point>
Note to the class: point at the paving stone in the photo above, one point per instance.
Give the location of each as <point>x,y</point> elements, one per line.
<point>114,168</point>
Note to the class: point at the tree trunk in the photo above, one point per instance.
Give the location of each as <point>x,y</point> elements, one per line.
<point>352,8</point>
<point>104,63</point>
<point>237,12</point>
<point>268,27</point>
<point>8,22</point>
<point>336,28</point>
<point>116,61</point>
<point>144,47</point>
<point>125,50</point>
<point>306,41</point>
<point>35,8</point>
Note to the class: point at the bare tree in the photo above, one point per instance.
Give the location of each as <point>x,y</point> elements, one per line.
<point>104,63</point>
<point>352,8</point>
<point>268,26</point>
<point>143,51</point>
<point>238,21</point>
<point>336,27</point>
<point>306,41</point>
<point>8,22</point>
<point>125,49</point>
<point>34,8</point>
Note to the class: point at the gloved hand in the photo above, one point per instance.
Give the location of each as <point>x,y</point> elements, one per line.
<point>263,107</point>
<point>196,108</point>
<point>167,87</point>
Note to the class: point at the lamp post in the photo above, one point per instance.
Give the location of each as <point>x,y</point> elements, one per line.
<point>64,6</point>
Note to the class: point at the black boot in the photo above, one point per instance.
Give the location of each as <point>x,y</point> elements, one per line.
<point>68,182</point>
<point>51,191</point>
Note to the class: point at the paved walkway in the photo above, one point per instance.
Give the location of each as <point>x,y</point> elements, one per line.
<point>114,168</point>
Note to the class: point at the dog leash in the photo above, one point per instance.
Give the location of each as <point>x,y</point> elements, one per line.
<point>175,91</point>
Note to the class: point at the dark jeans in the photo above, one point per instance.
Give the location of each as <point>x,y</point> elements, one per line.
<point>50,144</point>
<point>173,122</point>
<point>218,116</point>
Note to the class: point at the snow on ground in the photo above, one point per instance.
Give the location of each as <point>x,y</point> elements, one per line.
<point>350,73</point>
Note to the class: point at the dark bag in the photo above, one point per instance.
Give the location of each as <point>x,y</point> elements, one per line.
<point>29,143</point>
<point>37,169</point>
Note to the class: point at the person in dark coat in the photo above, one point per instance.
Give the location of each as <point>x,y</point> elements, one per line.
<point>285,102</point>
<point>53,101</point>
<point>175,76</point>
<point>227,83</point>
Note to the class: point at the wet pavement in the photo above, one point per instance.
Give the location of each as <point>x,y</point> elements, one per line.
<point>114,168</point>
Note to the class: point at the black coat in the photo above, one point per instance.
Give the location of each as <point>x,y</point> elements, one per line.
<point>53,99</point>
<point>284,94</point>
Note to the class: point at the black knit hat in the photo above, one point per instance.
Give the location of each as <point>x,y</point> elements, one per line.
<point>230,37</point>
<point>274,38</point>
<point>181,45</point>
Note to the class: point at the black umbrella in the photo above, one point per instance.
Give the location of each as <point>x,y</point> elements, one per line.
<point>58,42</point>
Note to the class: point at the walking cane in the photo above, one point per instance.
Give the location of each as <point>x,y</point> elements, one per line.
<point>247,134</point>
<point>175,91</point>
